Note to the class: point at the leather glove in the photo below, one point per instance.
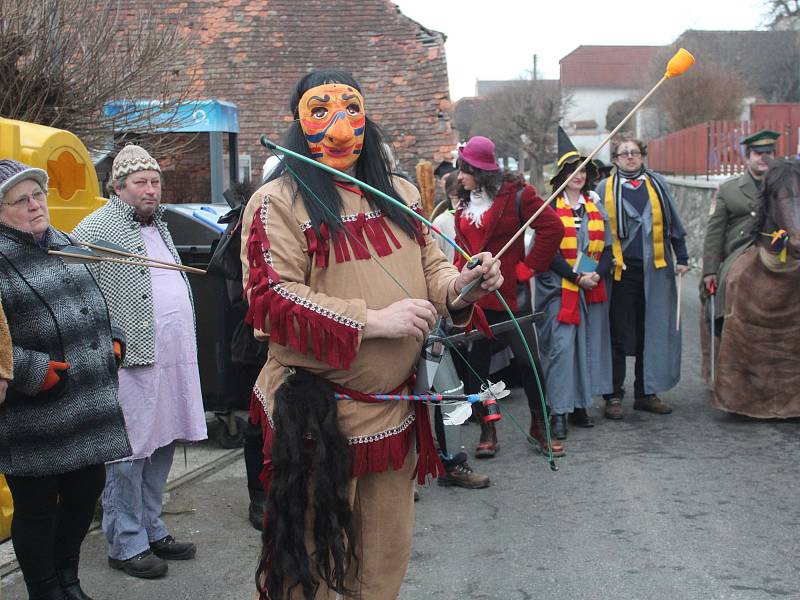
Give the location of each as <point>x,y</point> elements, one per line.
<point>53,376</point>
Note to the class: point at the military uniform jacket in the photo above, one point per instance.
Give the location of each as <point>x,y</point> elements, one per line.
<point>732,221</point>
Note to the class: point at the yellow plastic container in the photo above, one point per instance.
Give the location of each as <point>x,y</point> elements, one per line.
<point>6,509</point>
<point>73,189</point>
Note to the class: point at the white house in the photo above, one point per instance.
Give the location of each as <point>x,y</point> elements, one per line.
<point>594,77</point>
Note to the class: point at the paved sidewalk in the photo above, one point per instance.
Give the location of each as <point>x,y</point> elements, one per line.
<point>191,461</point>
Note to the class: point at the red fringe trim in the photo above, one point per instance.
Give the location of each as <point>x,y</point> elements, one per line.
<point>479,322</point>
<point>351,240</point>
<point>290,322</point>
<point>428,460</point>
<point>376,456</point>
<point>371,457</point>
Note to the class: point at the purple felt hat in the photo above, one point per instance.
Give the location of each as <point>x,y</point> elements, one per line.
<point>478,152</point>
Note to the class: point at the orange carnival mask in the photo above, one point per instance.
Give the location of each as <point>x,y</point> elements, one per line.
<point>332,117</point>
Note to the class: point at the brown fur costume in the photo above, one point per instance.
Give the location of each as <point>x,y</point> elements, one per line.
<point>757,367</point>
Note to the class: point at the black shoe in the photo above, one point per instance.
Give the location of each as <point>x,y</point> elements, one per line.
<point>74,592</point>
<point>168,549</point>
<point>451,463</point>
<point>558,426</point>
<point>53,594</point>
<point>580,418</point>
<point>70,584</point>
<point>145,565</point>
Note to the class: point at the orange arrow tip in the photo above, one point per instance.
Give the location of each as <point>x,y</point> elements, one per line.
<point>680,63</point>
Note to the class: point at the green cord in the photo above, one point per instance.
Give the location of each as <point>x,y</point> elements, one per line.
<point>272,147</point>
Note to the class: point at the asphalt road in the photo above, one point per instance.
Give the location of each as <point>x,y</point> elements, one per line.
<point>694,505</point>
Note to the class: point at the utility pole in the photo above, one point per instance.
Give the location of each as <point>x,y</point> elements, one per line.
<point>535,62</point>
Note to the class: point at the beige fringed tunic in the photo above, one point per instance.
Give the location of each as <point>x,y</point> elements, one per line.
<point>310,293</point>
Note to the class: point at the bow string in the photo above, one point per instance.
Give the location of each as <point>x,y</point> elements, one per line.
<point>275,148</point>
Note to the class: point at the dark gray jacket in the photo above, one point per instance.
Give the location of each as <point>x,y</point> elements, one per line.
<point>56,312</point>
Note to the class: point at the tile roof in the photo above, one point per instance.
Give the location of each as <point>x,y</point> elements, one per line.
<point>606,66</point>
<point>253,53</point>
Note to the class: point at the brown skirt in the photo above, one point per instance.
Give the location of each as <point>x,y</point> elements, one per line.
<point>757,368</point>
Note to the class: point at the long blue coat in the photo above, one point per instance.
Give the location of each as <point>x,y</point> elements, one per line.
<point>662,340</point>
<point>576,358</point>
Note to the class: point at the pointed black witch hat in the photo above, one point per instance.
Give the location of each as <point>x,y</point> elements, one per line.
<point>568,159</point>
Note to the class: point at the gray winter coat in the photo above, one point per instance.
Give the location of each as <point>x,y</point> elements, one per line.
<point>56,312</point>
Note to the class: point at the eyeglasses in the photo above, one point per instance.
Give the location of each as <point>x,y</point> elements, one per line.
<point>40,197</point>
<point>630,153</point>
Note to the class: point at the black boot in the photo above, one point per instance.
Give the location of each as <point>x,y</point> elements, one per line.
<point>51,593</point>
<point>581,418</point>
<point>70,584</point>
<point>558,426</point>
<point>254,464</point>
<point>258,505</point>
<point>55,594</point>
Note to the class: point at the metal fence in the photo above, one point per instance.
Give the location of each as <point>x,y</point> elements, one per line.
<point>715,147</point>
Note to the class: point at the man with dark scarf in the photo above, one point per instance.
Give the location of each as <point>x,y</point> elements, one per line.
<point>317,253</point>
<point>646,230</point>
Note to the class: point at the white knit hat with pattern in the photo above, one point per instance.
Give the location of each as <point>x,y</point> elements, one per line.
<point>133,158</point>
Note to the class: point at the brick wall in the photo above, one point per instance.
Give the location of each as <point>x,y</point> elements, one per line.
<point>252,54</point>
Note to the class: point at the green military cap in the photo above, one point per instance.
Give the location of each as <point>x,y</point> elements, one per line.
<point>762,141</point>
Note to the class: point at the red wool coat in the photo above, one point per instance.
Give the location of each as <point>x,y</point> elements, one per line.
<point>498,225</point>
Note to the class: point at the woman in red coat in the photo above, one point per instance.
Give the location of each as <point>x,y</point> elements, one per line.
<point>492,209</point>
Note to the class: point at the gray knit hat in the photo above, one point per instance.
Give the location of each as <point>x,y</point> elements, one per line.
<point>133,158</point>
<point>12,172</point>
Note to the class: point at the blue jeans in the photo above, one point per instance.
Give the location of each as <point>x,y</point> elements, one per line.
<point>132,503</point>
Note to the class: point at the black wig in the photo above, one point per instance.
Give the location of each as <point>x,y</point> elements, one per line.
<point>371,166</point>
<point>569,168</point>
<point>310,462</point>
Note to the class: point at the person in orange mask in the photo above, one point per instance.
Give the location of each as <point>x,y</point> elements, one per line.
<point>338,323</point>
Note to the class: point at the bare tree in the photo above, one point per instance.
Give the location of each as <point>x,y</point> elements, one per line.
<point>522,118</point>
<point>617,111</point>
<point>705,93</point>
<point>783,14</point>
<point>61,61</point>
<point>465,116</point>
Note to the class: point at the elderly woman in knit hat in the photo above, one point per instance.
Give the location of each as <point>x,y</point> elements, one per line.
<point>492,209</point>
<point>61,420</point>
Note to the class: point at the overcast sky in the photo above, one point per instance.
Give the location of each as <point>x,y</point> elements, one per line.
<point>496,39</point>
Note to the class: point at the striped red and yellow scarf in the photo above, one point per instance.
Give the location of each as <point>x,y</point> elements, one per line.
<point>570,292</point>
